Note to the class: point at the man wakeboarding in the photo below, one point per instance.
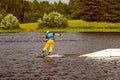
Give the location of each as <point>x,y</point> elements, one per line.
<point>50,40</point>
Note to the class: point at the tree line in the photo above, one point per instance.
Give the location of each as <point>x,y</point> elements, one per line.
<point>88,10</point>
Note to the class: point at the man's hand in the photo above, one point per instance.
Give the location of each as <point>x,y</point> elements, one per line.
<point>45,40</point>
<point>61,34</point>
<point>58,34</point>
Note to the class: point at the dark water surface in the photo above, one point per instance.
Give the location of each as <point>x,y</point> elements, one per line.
<point>70,43</point>
<point>18,59</point>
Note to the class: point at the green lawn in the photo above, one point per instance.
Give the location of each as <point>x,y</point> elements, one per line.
<point>29,26</point>
<point>74,26</point>
<point>83,26</point>
<point>80,23</point>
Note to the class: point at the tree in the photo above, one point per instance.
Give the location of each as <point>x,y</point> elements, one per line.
<point>15,7</point>
<point>3,12</point>
<point>53,20</point>
<point>31,17</point>
<point>44,7</point>
<point>36,5</point>
<point>22,9</point>
<point>1,17</point>
<point>95,10</point>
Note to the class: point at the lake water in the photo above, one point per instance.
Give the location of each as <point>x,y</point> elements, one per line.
<point>18,59</point>
<point>70,43</point>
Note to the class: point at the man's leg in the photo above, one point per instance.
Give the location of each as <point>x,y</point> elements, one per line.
<point>51,47</point>
<point>46,46</point>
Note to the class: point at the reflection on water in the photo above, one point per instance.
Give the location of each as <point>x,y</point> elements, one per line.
<point>48,62</point>
<point>84,43</point>
<point>71,55</point>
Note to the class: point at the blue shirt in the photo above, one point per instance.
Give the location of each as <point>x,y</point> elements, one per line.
<point>50,36</point>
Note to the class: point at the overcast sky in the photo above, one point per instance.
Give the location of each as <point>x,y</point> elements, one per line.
<point>52,1</point>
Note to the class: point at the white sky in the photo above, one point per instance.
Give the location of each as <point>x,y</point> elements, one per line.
<point>51,1</point>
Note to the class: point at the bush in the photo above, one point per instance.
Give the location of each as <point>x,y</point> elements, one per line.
<point>53,20</point>
<point>9,22</point>
<point>1,17</point>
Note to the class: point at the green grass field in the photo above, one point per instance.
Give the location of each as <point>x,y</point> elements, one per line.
<point>74,26</point>
<point>81,23</point>
<point>29,26</point>
<point>83,26</point>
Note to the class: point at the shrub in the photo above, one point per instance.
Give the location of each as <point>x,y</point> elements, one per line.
<point>1,17</point>
<point>9,22</point>
<point>53,20</point>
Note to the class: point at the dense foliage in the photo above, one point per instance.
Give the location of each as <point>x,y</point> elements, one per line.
<point>53,20</point>
<point>95,10</point>
<point>88,10</point>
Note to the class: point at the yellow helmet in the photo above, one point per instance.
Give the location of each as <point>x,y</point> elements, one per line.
<point>47,31</point>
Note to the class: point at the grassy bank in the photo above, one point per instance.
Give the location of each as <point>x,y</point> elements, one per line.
<point>84,26</point>
<point>74,26</point>
<point>81,23</point>
<point>79,26</point>
<point>29,26</point>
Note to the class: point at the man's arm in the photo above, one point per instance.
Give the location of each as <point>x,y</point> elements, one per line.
<point>46,38</point>
<point>58,34</point>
